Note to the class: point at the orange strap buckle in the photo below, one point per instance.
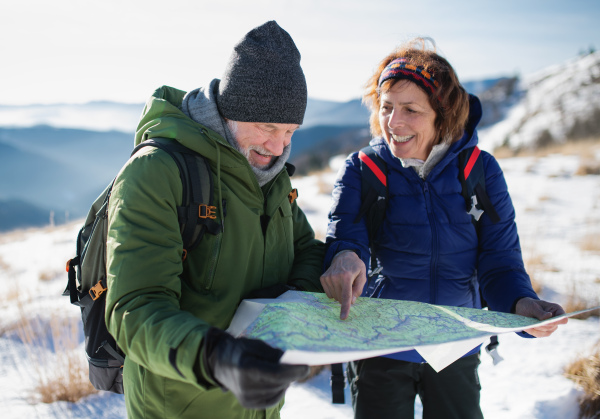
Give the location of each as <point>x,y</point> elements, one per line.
<point>205,211</point>
<point>293,195</point>
<point>97,290</point>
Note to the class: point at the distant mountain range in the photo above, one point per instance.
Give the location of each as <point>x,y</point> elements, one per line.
<point>56,159</point>
<point>111,116</point>
<point>57,169</point>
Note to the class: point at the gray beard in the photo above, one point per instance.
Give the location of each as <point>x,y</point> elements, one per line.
<point>263,174</point>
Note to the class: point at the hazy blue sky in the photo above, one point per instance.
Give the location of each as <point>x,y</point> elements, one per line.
<point>57,51</point>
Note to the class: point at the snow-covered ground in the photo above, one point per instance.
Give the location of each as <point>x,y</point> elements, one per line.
<point>556,212</point>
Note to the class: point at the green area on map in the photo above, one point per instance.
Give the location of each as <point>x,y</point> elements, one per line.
<point>314,324</point>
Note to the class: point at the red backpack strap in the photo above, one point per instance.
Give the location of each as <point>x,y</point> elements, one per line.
<point>472,178</point>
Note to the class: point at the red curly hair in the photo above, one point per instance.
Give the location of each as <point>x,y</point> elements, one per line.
<point>450,101</point>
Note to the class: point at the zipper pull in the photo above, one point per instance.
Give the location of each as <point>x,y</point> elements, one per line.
<point>375,272</point>
<point>224,210</point>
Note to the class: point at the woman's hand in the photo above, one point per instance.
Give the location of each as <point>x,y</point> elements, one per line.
<point>345,279</point>
<point>541,310</point>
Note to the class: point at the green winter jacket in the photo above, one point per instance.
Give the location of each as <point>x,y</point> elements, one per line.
<point>158,308</point>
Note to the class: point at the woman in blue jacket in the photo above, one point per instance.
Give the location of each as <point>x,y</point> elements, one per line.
<point>427,247</point>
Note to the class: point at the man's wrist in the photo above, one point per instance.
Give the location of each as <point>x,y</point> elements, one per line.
<point>346,251</point>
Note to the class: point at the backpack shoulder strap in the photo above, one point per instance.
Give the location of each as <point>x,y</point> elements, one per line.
<point>472,179</point>
<point>373,172</point>
<point>196,214</point>
<point>338,383</point>
<point>374,195</point>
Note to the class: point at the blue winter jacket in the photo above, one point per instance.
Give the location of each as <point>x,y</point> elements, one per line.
<point>427,246</point>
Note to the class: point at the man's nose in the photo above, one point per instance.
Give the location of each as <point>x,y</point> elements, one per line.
<point>277,143</point>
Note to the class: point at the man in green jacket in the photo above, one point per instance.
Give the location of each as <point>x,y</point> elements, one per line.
<point>168,315</point>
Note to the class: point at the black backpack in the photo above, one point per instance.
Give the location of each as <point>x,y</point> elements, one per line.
<point>374,193</point>
<point>374,197</point>
<point>87,270</point>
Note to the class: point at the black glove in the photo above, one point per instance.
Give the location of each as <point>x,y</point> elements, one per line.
<point>249,368</point>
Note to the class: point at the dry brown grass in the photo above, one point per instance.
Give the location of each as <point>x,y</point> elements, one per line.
<point>585,148</point>
<point>319,234</point>
<point>49,275</point>
<point>504,152</point>
<point>16,235</point>
<point>534,265</point>
<point>535,284</point>
<point>10,294</point>
<point>588,167</point>
<point>52,349</point>
<point>576,302</point>
<point>591,243</point>
<point>3,265</point>
<point>23,233</point>
<point>324,186</point>
<point>577,305</point>
<point>585,372</point>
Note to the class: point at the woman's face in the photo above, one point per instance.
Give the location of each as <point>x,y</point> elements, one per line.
<point>407,121</point>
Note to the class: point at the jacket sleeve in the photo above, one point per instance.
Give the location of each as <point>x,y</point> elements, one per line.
<point>342,232</point>
<point>502,276</point>
<point>144,249</point>
<point>308,254</point>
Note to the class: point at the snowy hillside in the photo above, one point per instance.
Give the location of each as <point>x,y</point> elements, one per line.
<point>558,219</point>
<point>558,103</point>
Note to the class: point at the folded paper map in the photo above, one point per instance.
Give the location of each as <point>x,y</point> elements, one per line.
<point>308,328</point>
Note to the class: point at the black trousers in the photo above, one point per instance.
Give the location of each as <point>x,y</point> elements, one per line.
<point>385,388</point>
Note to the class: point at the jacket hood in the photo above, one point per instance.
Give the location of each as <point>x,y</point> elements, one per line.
<point>475,114</point>
<point>162,117</point>
<point>469,138</point>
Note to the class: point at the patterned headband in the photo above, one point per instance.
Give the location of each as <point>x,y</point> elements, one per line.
<point>401,69</point>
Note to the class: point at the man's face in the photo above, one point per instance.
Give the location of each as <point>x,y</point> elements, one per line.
<point>262,142</point>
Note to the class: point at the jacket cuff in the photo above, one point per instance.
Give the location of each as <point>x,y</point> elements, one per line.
<point>337,247</point>
<point>201,368</point>
<point>513,308</point>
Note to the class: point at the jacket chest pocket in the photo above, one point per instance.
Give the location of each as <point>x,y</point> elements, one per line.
<point>283,243</point>
<point>200,267</point>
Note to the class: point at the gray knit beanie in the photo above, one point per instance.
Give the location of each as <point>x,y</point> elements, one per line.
<point>263,81</point>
